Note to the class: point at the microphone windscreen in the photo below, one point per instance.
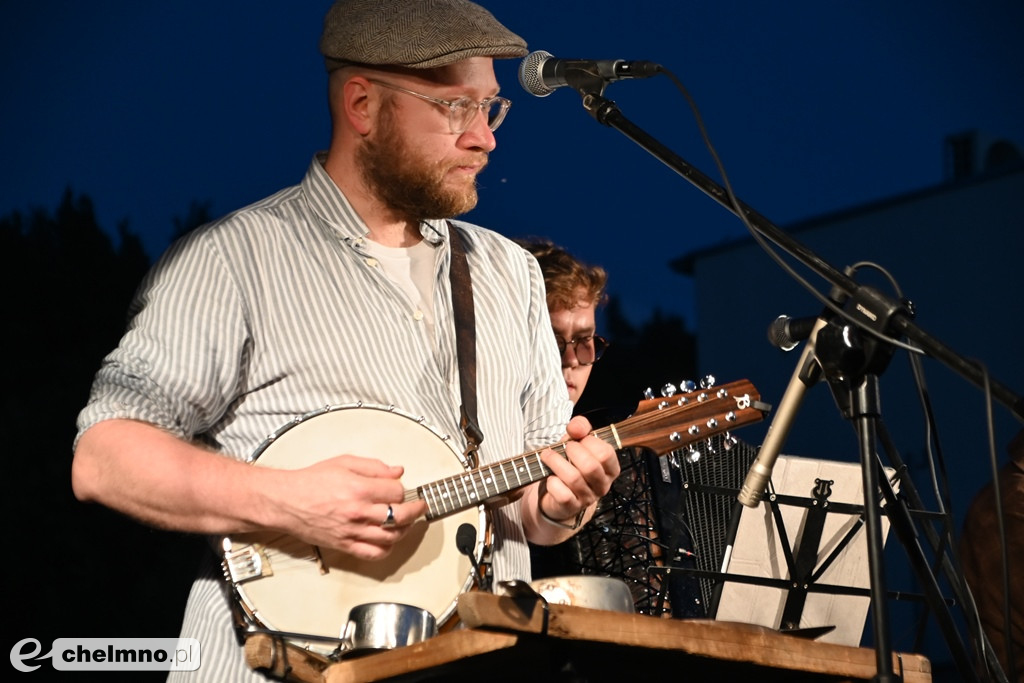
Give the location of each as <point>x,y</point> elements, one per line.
<point>465,537</point>
<point>530,73</point>
<point>778,335</point>
<point>785,332</point>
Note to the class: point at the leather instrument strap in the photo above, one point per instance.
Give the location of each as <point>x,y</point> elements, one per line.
<point>465,343</point>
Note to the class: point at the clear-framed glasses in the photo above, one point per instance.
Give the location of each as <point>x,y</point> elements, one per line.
<point>587,350</point>
<point>462,110</point>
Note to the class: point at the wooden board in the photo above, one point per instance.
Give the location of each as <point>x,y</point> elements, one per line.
<point>501,638</point>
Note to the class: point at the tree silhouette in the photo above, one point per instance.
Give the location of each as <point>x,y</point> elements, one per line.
<point>198,214</point>
<point>661,351</point>
<point>82,570</point>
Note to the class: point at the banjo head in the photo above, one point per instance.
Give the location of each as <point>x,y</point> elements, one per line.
<point>284,584</point>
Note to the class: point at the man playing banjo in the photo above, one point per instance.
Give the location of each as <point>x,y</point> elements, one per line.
<point>336,292</point>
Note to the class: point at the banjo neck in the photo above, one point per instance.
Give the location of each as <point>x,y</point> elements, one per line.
<point>474,487</point>
<point>659,424</point>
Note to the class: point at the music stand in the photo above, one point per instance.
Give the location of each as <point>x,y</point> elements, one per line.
<point>799,559</point>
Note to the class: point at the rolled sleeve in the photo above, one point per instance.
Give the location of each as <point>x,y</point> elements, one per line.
<point>180,362</point>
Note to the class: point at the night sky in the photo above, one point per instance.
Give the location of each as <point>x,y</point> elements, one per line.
<point>814,107</point>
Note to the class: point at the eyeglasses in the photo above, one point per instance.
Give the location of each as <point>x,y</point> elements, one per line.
<point>587,350</point>
<point>462,110</point>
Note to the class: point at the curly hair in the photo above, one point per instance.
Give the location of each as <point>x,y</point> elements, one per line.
<point>567,279</point>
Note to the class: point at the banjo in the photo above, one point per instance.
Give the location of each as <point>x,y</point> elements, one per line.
<point>285,585</point>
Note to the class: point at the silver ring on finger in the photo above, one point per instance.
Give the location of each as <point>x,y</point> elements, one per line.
<point>389,521</point>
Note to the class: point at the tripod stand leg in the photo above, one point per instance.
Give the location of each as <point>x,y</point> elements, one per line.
<point>903,524</point>
<point>865,405</point>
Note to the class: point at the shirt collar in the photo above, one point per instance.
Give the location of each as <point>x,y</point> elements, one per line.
<point>329,203</point>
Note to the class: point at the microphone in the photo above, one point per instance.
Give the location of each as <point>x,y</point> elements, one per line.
<point>540,73</point>
<point>807,372</point>
<point>785,332</point>
<point>465,539</point>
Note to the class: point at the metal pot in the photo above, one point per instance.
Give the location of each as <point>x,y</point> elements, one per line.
<point>594,592</point>
<point>377,626</point>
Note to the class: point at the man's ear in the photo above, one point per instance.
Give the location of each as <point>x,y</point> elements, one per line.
<point>360,104</point>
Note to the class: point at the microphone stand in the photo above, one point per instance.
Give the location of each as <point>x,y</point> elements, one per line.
<point>859,401</point>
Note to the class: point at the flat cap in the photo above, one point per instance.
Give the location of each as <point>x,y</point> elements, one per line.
<point>418,34</point>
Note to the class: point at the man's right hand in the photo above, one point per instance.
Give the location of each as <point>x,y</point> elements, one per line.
<point>344,505</point>
<point>159,479</point>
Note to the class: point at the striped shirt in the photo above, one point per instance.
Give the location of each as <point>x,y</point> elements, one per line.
<point>279,309</point>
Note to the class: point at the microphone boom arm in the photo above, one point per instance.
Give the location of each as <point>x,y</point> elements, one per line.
<point>607,113</point>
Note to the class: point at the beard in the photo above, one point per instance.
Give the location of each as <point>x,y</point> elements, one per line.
<point>403,180</point>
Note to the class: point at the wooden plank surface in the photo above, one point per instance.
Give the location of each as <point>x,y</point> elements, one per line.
<point>501,638</point>
<point>284,661</point>
<point>730,641</point>
<point>262,652</point>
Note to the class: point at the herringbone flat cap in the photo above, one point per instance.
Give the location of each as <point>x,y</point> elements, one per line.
<point>419,34</point>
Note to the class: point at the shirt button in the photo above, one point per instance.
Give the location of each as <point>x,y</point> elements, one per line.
<point>417,315</point>
<point>372,262</point>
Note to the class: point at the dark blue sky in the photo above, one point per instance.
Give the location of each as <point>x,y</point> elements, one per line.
<point>813,106</point>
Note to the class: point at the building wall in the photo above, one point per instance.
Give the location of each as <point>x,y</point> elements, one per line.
<point>957,252</point>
